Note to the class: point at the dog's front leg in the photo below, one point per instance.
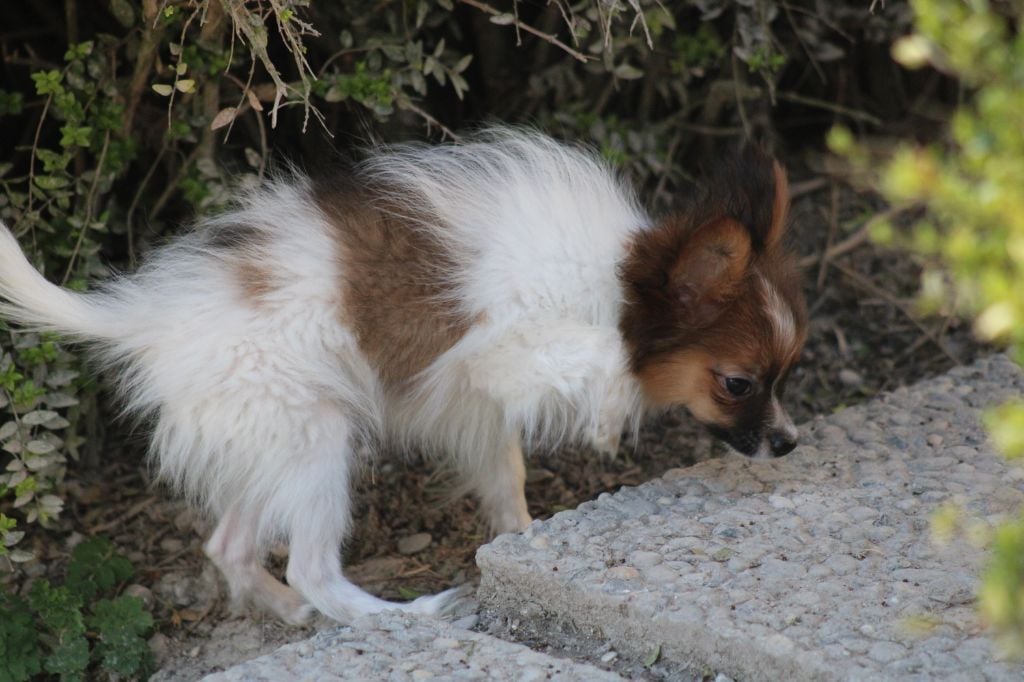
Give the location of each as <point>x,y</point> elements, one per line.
<point>500,486</point>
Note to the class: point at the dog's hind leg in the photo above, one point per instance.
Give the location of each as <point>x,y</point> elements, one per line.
<point>234,550</point>
<point>316,494</point>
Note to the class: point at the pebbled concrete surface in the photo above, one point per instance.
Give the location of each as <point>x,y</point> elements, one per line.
<point>819,566</point>
<point>394,647</point>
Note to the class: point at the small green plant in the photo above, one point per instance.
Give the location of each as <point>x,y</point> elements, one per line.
<point>70,629</point>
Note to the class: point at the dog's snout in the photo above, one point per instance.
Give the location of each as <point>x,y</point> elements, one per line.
<point>781,443</point>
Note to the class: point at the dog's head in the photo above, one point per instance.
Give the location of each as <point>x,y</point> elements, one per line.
<point>714,315</point>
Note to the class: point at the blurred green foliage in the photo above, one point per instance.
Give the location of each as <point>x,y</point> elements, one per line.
<point>974,230</point>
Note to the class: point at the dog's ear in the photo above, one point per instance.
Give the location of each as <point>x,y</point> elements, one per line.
<point>753,188</point>
<point>709,268</point>
<point>780,207</point>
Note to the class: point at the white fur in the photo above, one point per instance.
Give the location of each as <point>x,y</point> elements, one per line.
<point>258,410</point>
<point>783,322</point>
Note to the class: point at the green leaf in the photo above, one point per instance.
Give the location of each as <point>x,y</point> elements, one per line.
<point>58,607</point>
<point>69,658</point>
<point>122,624</point>
<point>123,12</point>
<point>95,567</point>
<point>48,82</point>
<point>628,72</point>
<point>51,182</point>
<point>163,89</point>
<point>75,136</point>
<point>409,593</point>
<point>20,655</point>
<point>652,657</point>
<point>11,103</point>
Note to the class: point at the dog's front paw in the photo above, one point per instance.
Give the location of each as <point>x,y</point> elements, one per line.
<point>606,441</point>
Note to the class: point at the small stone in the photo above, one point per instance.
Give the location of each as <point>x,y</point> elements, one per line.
<point>623,573</point>
<point>886,652</point>
<point>722,677</point>
<point>447,643</point>
<point>609,657</point>
<point>184,520</point>
<point>644,559</point>
<point>722,554</point>
<point>467,622</point>
<point>171,545</point>
<point>540,542</point>
<point>532,673</point>
<point>142,593</point>
<point>935,440</point>
<point>850,379</point>
<point>421,674</point>
<point>780,502</point>
<point>778,645</point>
<point>160,645</point>
<point>411,544</point>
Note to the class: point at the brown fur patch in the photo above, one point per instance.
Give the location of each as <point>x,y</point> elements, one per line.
<point>256,280</point>
<point>395,293</point>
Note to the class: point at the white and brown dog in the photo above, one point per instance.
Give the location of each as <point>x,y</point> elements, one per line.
<point>463,299</point>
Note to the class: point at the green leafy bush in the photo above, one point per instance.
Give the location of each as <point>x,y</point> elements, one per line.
<point>65,630</point>
<point>971,185</point>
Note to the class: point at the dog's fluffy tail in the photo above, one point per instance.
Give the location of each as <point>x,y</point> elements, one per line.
<point>31,300</point>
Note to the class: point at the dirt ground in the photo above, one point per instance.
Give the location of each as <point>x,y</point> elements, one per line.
<point>865,337</point>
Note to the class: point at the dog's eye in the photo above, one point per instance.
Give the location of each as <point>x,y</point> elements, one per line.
<point>738,386</point>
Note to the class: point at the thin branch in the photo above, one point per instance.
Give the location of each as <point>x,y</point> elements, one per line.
<point>89,199</point>
<point>833,228</point>
<point>855,239</point>
<point>32,168</point>
<point>129,217</point>
<point>830,106</point>
<point>148,45</point>
<point>547,37</point>
<point>445,130</point>
<point>872,288</point>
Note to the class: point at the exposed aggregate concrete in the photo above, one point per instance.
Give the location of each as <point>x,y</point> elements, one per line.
<point>817,566</point>
<point>394,647</point>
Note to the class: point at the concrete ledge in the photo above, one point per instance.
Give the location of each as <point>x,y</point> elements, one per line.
<point>819,566</point>
<point>394,646</point>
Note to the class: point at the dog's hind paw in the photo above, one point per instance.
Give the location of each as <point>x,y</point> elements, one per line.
<point>439,605</point>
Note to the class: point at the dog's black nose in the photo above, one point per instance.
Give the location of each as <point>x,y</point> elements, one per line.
<point>781,444</point>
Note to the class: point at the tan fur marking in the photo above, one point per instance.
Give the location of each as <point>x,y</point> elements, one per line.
<point>395,295</point>
<point>682,378</point>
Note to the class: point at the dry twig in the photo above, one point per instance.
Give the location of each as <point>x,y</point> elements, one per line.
<point>547,37</point>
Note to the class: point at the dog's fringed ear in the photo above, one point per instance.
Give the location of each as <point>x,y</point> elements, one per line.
<point>709,267</point>
<point>752,188</point>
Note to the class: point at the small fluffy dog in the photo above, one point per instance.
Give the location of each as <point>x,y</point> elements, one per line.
<point>463,299</point>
